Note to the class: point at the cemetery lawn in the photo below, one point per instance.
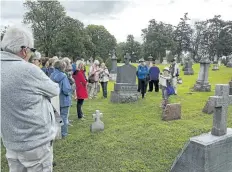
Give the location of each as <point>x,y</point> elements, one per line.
<point>135,138</point>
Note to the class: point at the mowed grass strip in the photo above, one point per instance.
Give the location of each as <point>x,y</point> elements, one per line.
<point>135,138</point>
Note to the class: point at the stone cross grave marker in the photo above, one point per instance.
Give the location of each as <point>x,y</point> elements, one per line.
<point>97,125</point>
<point>220,101</point>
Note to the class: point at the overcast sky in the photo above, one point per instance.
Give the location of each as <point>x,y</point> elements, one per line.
<point>128,17</point>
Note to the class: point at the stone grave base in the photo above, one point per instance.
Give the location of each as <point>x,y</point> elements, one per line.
<point>113,77</point>
<point>230,85</point>
<point>202,87</point>
<point>208,108</point>
<point>206,153</point>
<point>188,71</point>
<point>172,112</point>
<point>124,97</point>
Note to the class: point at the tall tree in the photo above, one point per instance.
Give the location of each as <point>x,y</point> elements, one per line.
<point>103,41</point>
<point>72,40</point>
<point>157,38</point>
<point>183,34</point>
<point>121,50</point>
<point>199,29</point>
<point>133,47</point>
<point>46,18</point>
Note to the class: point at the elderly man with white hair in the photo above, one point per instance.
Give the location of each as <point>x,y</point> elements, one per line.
<point>27,116</point>
<point>93,79</point>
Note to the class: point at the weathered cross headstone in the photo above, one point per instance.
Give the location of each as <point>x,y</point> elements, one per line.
<point>113,72</point>
<point>211,151</point>
<point>97,125</point>
<point>221,101</point>
<point>202,83</point>
<point>125,88</point>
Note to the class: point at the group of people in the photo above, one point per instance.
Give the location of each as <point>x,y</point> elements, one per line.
<point>29,83</point>
<point>148,75</point>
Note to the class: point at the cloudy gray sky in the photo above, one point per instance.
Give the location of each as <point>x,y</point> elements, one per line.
<point>127,17</point>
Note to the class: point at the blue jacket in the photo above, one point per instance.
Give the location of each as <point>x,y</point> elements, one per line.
<point>154,73</point>
<point>45,70</point>
<point>74,67</point>
<point>50,70</point>
<point>142,72</point>
<point>65,87</point>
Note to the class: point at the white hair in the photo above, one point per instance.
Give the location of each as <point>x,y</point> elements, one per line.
<point>17,36</point>
<point>37,55</point>
<point>79,63</point>
<point>96,62</point>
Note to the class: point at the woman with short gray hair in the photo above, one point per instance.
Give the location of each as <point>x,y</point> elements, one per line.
<point>68,72</point>
<point>60,77</point>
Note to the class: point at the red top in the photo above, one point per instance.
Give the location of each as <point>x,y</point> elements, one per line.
<point>81,84</point>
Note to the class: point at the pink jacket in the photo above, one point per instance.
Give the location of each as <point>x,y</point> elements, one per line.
<point>93,71</point>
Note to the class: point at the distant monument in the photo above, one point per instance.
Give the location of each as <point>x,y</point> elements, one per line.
<point>165,58</point>
<point>125,88</point>
<point>113,72</point>
<point>202,84</point>
<point>188,69</point>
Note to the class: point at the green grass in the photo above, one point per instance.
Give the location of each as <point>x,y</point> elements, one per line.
<point>135,138</point>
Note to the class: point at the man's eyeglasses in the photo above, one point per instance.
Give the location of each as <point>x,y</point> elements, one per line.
<point>32,49</point>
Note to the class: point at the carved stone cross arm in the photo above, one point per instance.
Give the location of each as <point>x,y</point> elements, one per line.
<point>220,101</point>
<point>217,101</point>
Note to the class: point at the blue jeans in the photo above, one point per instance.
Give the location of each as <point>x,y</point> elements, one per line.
<point>104,89</point>
<point>64,116</point>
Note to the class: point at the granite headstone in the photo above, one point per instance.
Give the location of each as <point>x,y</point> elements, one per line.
<point>125,88</point>
<point>202,84</point>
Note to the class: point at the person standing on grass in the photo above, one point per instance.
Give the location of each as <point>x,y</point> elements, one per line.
<point>104,78</point>
<point>60,77</point>
<point>28,125</point>
<point>68,72</point>
<point>142,75</point>
<point>174,70</point>
<point>93,79</point>
<point>154,78</point>
<point>51,62</point>
<point>81,87</point>
<point>139,82</point>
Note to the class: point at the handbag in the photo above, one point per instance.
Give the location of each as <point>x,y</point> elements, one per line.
<point>91,79</point>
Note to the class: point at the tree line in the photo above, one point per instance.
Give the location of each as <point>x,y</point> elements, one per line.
<point>57,34</point>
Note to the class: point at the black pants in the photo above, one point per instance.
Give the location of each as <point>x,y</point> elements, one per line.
<point>139,85</point>
<point>156,85</point>
<point>143,84</point>
<point>79,110</point>
<point>104,88</point>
